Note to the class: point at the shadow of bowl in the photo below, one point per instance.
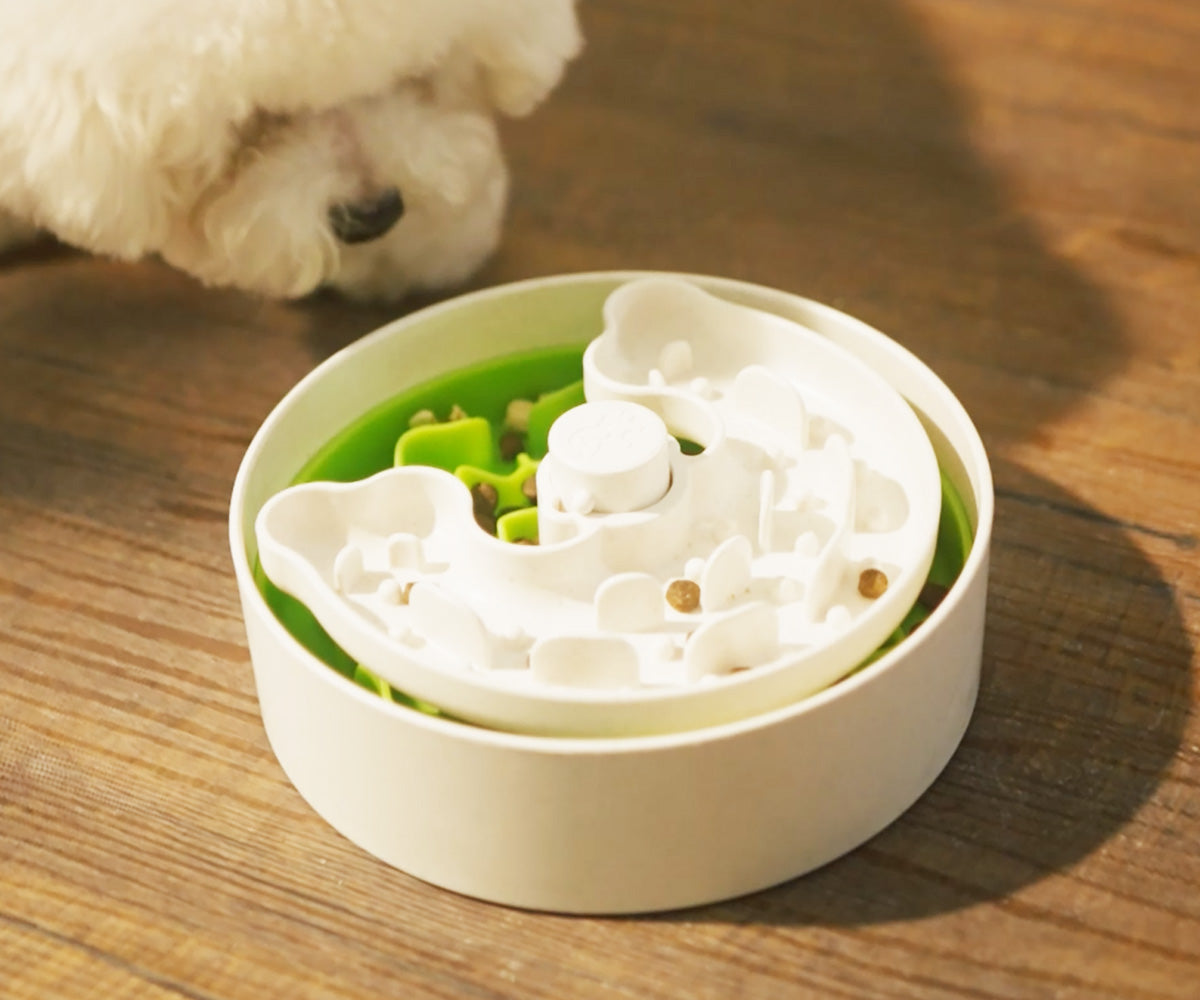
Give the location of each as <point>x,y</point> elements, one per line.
<point>1082,706</point>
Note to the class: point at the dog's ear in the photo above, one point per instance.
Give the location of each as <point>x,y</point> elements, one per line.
<point>522,51</point>
<point>111,172</point>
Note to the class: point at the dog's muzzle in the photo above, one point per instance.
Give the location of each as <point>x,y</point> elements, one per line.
<point>367,219</point>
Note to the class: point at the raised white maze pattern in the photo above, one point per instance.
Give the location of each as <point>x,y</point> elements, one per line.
<point>812,471</point>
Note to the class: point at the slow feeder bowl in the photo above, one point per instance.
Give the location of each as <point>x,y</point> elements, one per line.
<point>622,785</point>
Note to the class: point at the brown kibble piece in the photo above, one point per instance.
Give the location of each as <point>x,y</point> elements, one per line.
<point>529,489</point>
<point>484,497</point>
<point>683,595</point>
<point>872,583</point>
<point>516,414</point>
<point>511,445</point>
<point>457,413</point>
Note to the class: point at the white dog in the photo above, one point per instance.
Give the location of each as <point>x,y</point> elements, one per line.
<point>272,145</point>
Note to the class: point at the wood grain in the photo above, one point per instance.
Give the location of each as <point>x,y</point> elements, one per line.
<point>1009,188</point>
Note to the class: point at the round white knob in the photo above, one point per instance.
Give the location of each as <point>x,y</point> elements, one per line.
<point>614,452</point>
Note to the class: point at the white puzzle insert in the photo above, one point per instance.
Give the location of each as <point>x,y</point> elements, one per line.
<point>668,591</point>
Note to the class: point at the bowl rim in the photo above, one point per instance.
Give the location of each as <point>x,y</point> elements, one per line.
<point>253,601</point>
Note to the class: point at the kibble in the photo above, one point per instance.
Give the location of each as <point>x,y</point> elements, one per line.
<point>422,418</point>
<point>516,415</point>
<point>872,583</point>
<point>512,443</point>
<point>457,413</point>
<point>529,489</point>
<point>484,498</point>
<point>683,595</point>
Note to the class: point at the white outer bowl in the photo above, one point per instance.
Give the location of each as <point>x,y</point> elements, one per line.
<point>606,825</point>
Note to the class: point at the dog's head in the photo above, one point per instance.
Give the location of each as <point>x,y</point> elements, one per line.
<point>376,196</point>
<point>274,146</point>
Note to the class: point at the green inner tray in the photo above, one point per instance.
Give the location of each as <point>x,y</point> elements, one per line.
<point>369,445</point>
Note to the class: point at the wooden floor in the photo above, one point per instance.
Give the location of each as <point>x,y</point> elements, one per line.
<point>1010,188</point>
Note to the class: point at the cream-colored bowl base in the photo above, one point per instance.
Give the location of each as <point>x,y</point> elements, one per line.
<point>606,825</point>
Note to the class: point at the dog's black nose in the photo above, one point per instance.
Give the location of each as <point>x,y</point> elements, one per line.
<point>367,219</point>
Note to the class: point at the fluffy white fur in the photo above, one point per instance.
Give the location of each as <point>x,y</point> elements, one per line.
<point>218,133</point>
